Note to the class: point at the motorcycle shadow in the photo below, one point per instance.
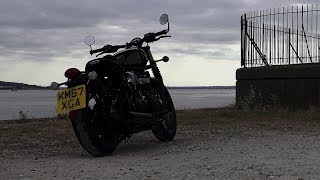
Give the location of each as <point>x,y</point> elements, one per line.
<point>145,143</point>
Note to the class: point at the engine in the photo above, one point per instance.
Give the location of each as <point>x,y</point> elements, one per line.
<point>142,98</point>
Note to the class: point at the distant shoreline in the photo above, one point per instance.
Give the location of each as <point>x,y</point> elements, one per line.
<point>21,86</point>
<point>201,87</point>
<point>170,87</point>
<point>24,89</point>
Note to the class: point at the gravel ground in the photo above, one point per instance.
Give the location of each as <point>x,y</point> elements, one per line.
<point>219,150</point>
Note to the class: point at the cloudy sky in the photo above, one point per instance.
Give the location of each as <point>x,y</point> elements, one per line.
<point>40,39</point>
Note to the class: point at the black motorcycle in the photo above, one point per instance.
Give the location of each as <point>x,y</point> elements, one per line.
<point>116,97</point>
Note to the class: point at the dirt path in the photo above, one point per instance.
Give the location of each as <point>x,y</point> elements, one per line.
<point>244,150</point>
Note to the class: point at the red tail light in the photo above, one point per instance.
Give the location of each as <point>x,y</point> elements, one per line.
<point>72,73</point>
<point>72,115</point>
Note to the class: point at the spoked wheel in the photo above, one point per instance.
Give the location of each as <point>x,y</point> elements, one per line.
<point>166,131</point>
<point>90,124</point>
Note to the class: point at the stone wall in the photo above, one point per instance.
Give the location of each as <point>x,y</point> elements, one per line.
<point>292,86</point>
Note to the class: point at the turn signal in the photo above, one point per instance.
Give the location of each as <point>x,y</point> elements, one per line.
<point>72,73</point>
<point>165,59</point>
<point>54,86</point>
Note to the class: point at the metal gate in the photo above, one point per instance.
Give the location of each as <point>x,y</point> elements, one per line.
<point>281,36</point>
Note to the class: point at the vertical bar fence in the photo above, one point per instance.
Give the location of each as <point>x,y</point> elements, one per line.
<point>281,36</point>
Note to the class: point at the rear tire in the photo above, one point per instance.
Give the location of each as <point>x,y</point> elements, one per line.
<point>95,143</point>
<point>166,131</point>
<point>89,126</point>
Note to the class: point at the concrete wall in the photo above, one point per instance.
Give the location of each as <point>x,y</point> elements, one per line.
<point>292,86</point>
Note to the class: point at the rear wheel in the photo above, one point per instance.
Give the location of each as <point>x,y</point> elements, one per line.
<point>166,131</point>
<point>90,126</point>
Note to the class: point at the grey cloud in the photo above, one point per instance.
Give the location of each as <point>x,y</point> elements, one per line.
<point>214,54</point>
<point>49,34</point>
<point>40,29</point>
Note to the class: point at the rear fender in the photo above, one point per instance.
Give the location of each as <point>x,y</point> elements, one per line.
<point>81,79</point>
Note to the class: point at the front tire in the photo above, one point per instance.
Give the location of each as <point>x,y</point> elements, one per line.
<point>167,130</point>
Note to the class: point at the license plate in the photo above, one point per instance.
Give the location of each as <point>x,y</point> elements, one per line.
<point>71,99</point>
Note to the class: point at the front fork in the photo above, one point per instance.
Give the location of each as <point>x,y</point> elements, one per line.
<point>153,65</point>
<point>158,82</point>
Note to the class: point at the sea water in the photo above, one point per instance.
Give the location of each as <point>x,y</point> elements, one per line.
<point>42,103</point>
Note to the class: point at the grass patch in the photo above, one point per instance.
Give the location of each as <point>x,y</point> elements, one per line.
<point>55,136</point>
<point>230,117</point>
<point>35,136</point>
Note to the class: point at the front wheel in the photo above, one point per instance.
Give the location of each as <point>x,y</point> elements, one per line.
<point>166,131</point>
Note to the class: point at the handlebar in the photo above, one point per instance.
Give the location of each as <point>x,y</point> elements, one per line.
<point>151,37</point>
<point>96,51</point>
<point>108,49</point>
<point>161,32</point>
<point>148,38</point>
<point>161,37</point>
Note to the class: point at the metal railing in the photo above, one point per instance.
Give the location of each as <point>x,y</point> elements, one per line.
<point>281,36</point>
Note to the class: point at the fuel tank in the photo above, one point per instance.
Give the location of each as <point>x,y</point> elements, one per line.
<point>132,59</point>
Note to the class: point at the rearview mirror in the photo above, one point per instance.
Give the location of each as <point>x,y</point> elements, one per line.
<point>164,18</point>
<point>89,40</point>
